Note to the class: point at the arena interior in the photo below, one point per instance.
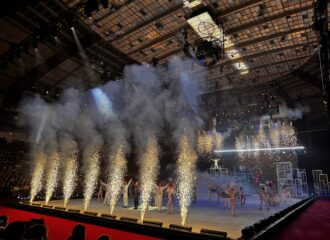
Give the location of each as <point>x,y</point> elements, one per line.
<point>164,119</point>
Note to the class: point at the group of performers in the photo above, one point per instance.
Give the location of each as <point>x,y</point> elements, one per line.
<point>231,194</point>
<point>157,196</point>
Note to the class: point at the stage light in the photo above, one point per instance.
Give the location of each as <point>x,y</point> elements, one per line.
<point>73,210</point>
<point>47,206</point>
<point>36,204</point>
<point>108,216</point>
<point>60,208</point>
<point>213,233</point>
<point>128,219</point>
<point>153,223</point>
<point>259,149</point>
<point>180,228</point>
<point>90,213</point>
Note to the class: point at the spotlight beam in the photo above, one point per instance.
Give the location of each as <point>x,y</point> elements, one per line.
<point>259,149</point>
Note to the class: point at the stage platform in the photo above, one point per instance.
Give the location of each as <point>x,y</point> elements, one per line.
<point>205,214</point>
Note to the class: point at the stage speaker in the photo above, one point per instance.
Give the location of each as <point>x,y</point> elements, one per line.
<point>90,213</point>
<point>74,210</point>
<point>60,208</point>
<point>108,216</point>
<point>180,228</point>
<point>152,223</point>
<point>128,219</point>
<point>36,204</point>
<point>213,233</point>
<point>47,206</point>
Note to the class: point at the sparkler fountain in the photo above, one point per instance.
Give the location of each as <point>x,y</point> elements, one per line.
<point>91,175</point>
<point>70,176</point>
<point>186,170</point>
<point>117,170</point>
<point>52,175</point>
<point>149,171</point>
<point>37,176</point>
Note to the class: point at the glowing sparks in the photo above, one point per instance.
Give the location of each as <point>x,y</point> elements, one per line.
<point>204,144</point>
<point>186,169</point>
<point>149,171</point>
<point>38,173</point>
<point>91,175</point>
<point>70,177</point>
<point>52,175</point>
<point>117,170</point>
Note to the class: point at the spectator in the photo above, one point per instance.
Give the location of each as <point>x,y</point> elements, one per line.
<point>104,237</point>
<point>37,232</point>
<point>78,232</point>
<point>15,231</point>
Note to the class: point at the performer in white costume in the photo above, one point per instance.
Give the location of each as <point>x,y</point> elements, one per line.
<point>159,196</point>
<point>107,193</point>
<point>125,193</point>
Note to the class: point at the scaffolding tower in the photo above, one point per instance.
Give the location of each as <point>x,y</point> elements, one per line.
<point>300,186</point>
<point>284,176</point>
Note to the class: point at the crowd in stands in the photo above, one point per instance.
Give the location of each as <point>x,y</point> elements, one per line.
<point>36,229</point>
<point>14,177</point>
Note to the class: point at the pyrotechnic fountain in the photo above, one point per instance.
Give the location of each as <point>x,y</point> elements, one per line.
<point>186,171</point>
<point>52,175</point>
<point>204,144</point>
<point>91,175</point>
<point>117,171</point>
<point>37,176</point>
<point>70,176</point>
<point>148,173</point>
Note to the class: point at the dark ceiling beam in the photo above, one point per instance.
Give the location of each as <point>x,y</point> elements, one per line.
<point>265,20</point>
<point>151,20</point>
<point>9,7</point>
<point>111,12</point>
<point>259,67</point>
<point>16,89</point>
<point>238,8</point>
<point>266,38</point>
<point>241,59</point>
<point>306,77</point>
<point>67,75</point>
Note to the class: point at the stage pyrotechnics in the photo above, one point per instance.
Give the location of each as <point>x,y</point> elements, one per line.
<point>90,143</point>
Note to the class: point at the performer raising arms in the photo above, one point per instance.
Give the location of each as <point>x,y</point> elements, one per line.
<point>107,193</point>
<point>125,192</point>
<point>100,193</point>
<point>159,195</point>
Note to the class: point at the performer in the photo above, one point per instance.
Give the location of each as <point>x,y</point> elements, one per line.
<point>159,195</point>
<point>100,193</point>
<point>194,201</point>
<point>226,197</point>
<point>232,199</point>
<point>136,194</point>
<point>212,188</point>
<point>107,193</point>
<point>170,197</point>
<point>125,192</point>
<point>243,197</point>
<point>263,197</point>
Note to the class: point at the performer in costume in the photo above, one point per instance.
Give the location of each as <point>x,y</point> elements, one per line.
<point>100,193</point>
<point>107,193</point>
<point>136,194</point>
<point>170,196</point>
<point>159,195</point>
<point>125,193</point>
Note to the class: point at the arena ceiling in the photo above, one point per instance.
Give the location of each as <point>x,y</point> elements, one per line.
<point>271,38</point>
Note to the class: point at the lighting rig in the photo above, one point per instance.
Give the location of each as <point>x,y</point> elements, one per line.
<point>208,50</point>
<point>322,29</point>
